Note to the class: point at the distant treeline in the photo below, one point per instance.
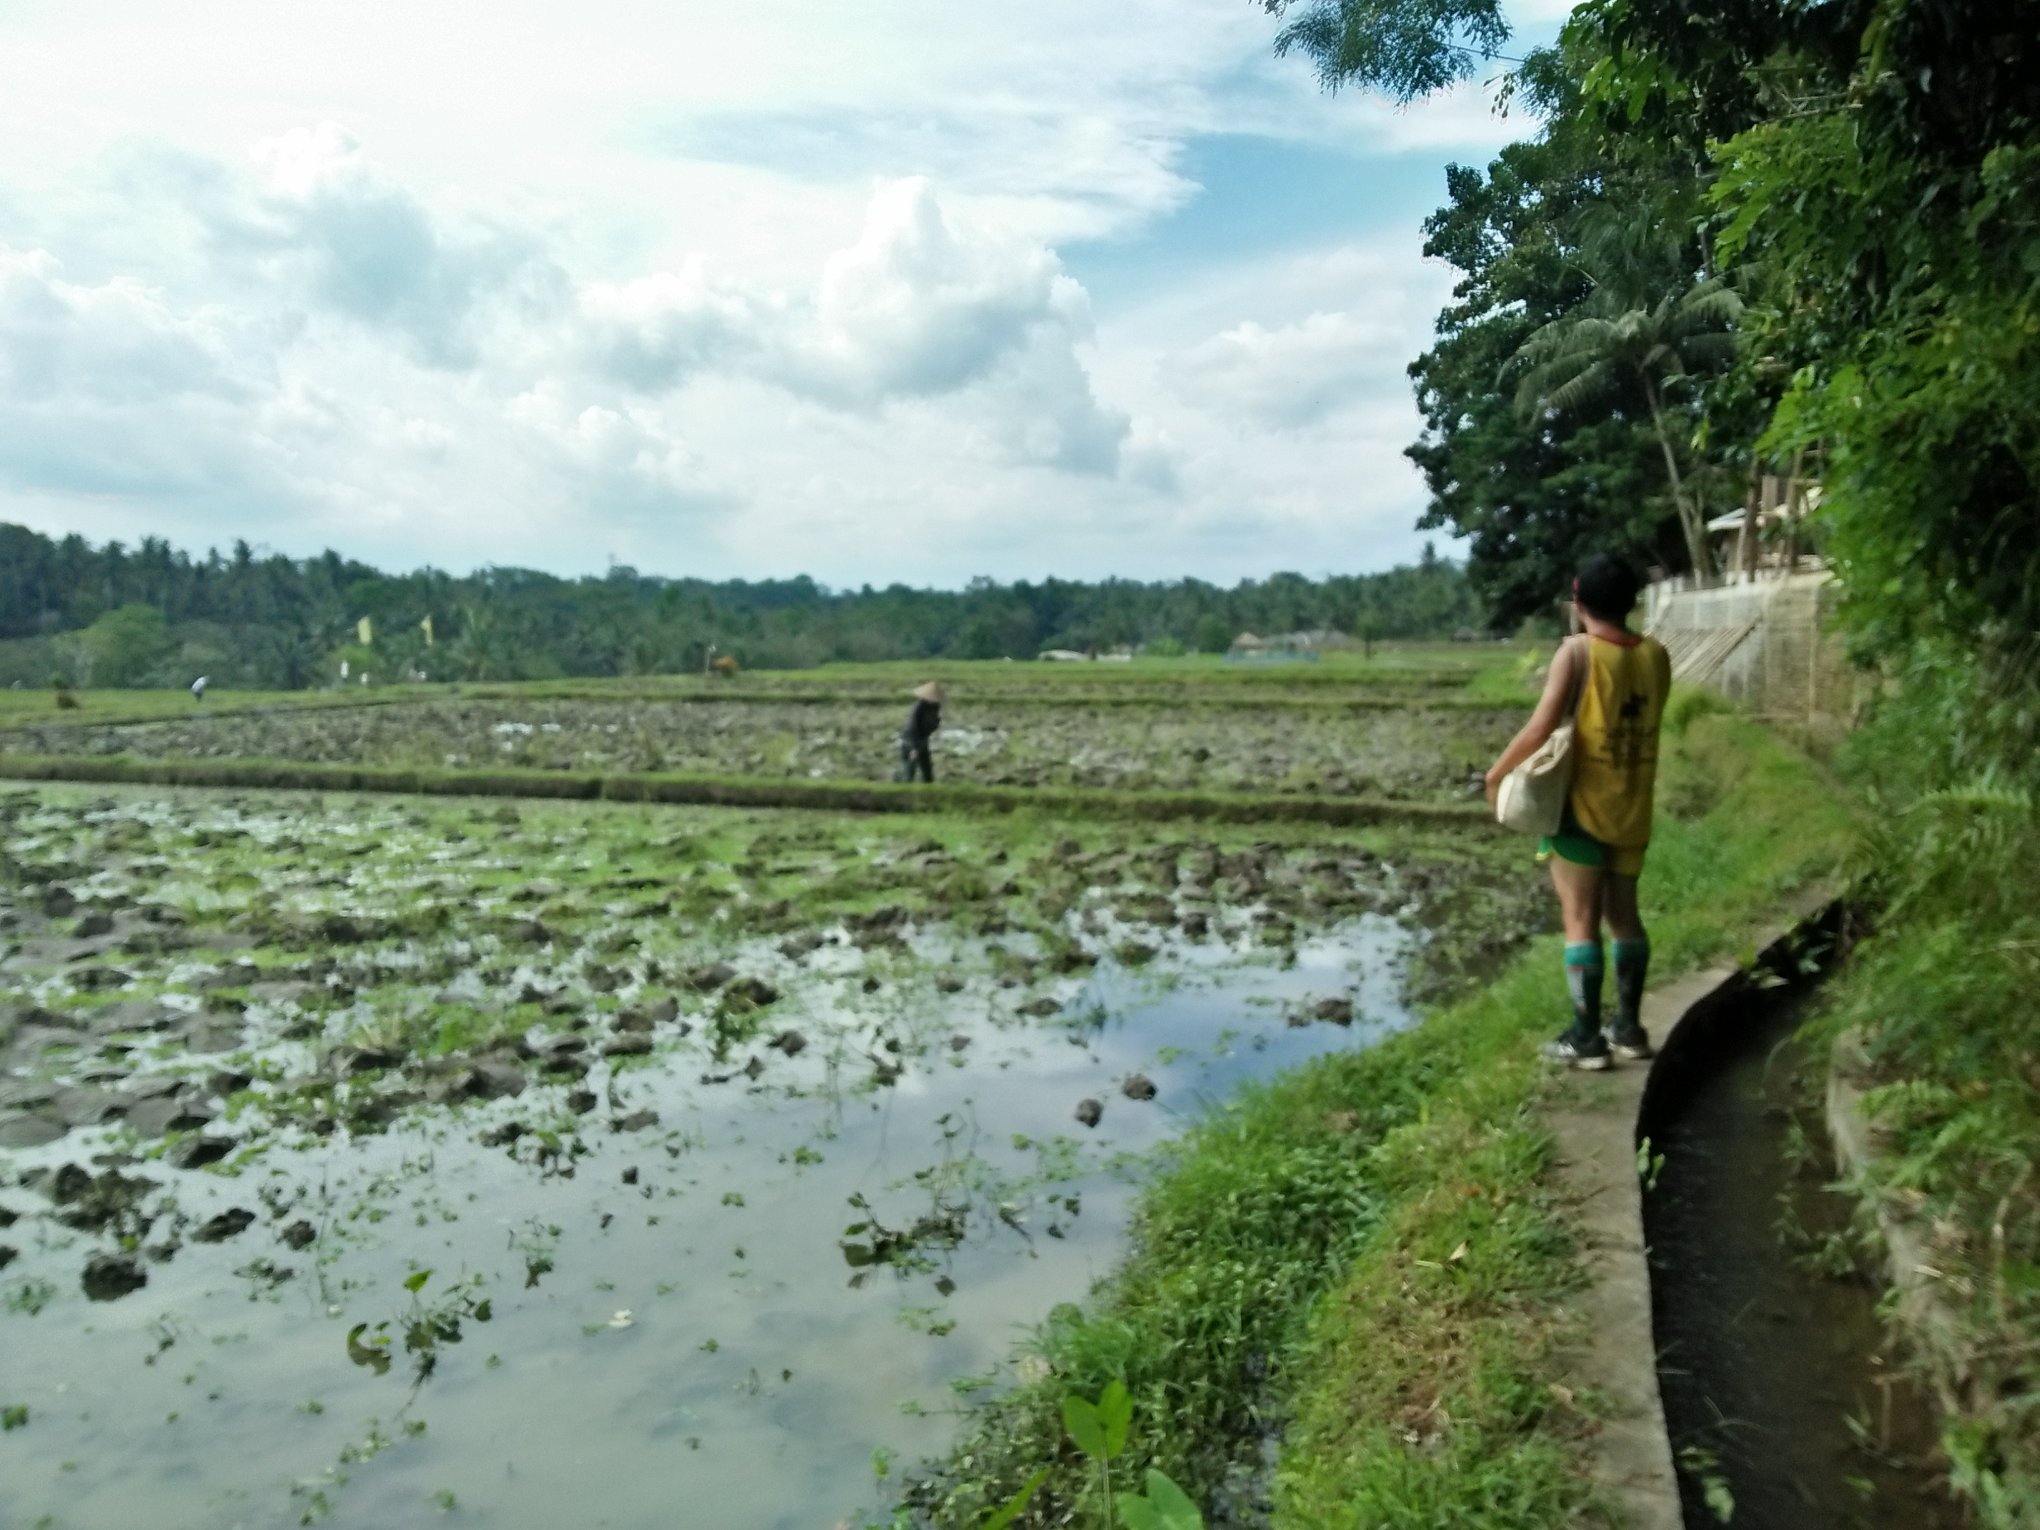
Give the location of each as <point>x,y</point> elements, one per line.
<point>153,615</point>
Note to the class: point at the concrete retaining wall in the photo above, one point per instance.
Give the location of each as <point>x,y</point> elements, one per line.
<point>1764,644</point>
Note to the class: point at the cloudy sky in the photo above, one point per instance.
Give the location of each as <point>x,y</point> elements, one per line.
<point>893,290</point>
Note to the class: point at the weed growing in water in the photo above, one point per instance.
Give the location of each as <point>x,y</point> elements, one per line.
<point>29,1296</point>
<point>1649,1164</point>
<point>1701,1464</point>
<point>425,1325</point>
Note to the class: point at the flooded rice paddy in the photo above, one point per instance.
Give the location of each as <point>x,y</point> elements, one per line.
<point>366,1160</point>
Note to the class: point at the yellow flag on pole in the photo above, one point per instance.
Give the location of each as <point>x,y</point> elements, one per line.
<point>426,627</point>
<point>365,630</point>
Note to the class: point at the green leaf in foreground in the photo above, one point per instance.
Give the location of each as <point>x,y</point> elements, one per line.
<point>1080,1418</point>
<point>1115,1412</point>
<point>1164,1506</point>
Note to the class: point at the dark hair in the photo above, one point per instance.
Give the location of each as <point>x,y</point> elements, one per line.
<point>1607,587</point>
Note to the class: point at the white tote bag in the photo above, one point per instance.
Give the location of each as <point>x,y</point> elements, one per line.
<point>1532,797</point>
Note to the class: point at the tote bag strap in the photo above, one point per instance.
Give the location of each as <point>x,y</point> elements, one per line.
<point>1583,659</point>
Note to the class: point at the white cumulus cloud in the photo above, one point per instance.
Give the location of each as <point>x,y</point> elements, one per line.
<point>331,226</point>
<point>917,307</point>
<point>115,343</point>
<point>660,330</point>
<point>621,459</point>
<point>627,280</point>
<point>1291,374</point>
<point>105,388</point>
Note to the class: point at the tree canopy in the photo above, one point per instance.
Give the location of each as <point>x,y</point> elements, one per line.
<point>1751,234</point>
<point>110,615</point>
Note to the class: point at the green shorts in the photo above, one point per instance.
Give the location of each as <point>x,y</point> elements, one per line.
<point>1573,843</point>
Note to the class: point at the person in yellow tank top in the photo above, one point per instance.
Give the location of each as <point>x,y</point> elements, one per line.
<point>1621,681</point>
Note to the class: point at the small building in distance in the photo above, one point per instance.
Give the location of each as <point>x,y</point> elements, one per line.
<point>1247,648</point>
<point>1296,645</point>
<point>1317,640</point>
<point>1768,538</point>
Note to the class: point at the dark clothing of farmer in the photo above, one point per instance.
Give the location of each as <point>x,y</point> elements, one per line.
<point>916,762</point>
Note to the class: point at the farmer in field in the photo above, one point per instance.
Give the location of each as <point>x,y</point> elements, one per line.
<point>1597,854</point>
<point>915,760</point>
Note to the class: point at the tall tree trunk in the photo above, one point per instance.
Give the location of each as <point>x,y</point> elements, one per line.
<point>1753,503</point>
<point>1794,487</point>
<point>1689,513</point>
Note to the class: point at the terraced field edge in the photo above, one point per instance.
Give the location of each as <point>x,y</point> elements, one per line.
<point>736,791</point>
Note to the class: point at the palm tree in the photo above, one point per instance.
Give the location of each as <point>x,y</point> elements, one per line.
<point>478,647</point>
<point>1601,348</point>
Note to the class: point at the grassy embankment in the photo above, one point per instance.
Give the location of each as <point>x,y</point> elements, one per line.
<point>1940,1000</point>
<point>732,791</point>
<point>1367,1254</point>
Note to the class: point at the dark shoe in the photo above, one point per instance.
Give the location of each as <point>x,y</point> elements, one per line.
<point>1569,1050</point>
<point>1630,1041</point>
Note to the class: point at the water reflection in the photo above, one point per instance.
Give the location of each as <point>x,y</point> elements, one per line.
<point>819,1268</point>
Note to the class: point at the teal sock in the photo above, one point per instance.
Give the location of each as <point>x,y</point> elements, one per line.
<point>1632,963</point>
<point>1583,971</point>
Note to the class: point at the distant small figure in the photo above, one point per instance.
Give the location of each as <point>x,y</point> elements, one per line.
<point>198,688</point>
<point>915,760</point>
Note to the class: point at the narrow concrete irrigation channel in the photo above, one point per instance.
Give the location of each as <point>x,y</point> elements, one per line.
<point>1786,1405</point>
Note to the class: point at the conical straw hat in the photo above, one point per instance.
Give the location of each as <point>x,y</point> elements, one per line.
<point>932,691</point>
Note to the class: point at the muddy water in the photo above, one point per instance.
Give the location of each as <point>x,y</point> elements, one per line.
<point>1784,1400</point>
<point>679,1329</point>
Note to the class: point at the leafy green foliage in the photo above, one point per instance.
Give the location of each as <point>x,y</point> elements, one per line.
<point>1600,349</point>
<point>1402,48</point>
<point>123,647</point>
<point>1939,1001</point>
<point>1863,176</point>
<point>1874,177</point>
<point>281,624</point>
<point>1532,494</point>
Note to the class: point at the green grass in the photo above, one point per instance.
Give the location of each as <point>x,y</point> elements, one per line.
<point>1419,664</point>
<point>1294,1259</point>
<point>1478,674</point>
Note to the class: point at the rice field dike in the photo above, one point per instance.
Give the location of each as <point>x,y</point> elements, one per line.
<point>407,1110</point>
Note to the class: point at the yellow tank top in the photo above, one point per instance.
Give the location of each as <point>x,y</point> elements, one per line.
<point>1615,742</point>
